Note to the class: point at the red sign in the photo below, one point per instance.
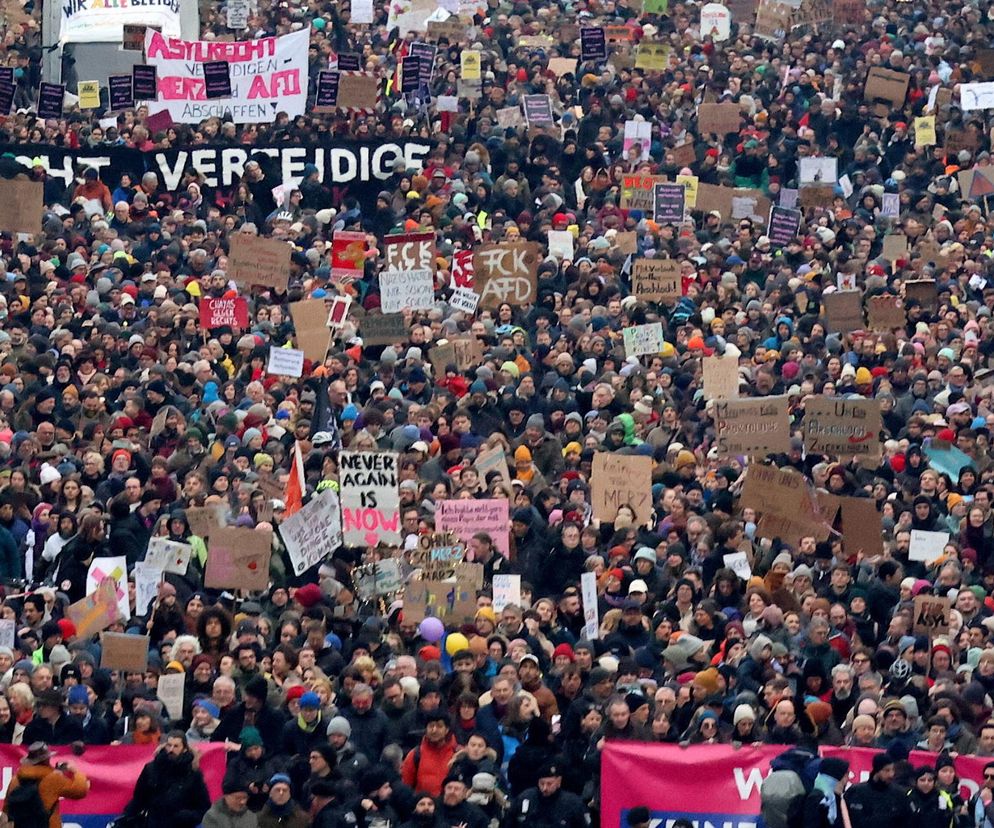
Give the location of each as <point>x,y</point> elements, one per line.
<point>462,268</point>
<point>214,313</point>
<point>348,254</point>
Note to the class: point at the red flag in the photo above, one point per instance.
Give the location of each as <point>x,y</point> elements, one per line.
<point>294,497</point>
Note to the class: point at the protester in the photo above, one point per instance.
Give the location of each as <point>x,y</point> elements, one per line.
<point>34,793</point>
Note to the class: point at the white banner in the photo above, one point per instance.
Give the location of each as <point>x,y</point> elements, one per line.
<point>97,21</point>
<point>314,532</point>
<point>268,75</point>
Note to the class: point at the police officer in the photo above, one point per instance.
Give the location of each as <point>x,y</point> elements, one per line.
<point>547,806</point>
<point>452,810</point>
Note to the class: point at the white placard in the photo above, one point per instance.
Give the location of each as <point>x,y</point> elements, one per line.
<point>464,299</point>
<point>7,632</point>
<point>927,546</point>
<point>116,568</point>
<point>237,13</point>
<point>169,691</point>
<point>788,197</point>
<point>507,590</point>
<point>362,11</point>
<point>819,170</point>
<point>588,593</point>
<point>641,340</point>
<point>402,290</point>
<point>846,184</point>
<point>974,96</point>
<point>891,206</point>
<point>147,579</point>
<point>268,75</point>
<point>561,244</point>
<point>447,103</point>
<point>716,22</point>
<point>370,497</point>
<point>314,532</point>
<point>638,132</point>
<point>739,564</point>
<point>168,556</point>
<point>285,362</point>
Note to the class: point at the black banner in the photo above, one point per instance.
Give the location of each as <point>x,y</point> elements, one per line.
<point>346,168</point>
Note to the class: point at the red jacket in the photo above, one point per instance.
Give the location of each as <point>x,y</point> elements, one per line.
<point>426,767</point>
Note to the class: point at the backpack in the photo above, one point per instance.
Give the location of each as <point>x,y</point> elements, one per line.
<point>783,792</point>
<point>25,808</point>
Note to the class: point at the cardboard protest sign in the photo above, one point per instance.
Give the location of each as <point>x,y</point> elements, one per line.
<point>923,291</point>
<point>895,247</point>
<point>120,651</point>
<point>96,612</point>
<point>932,615</point>
<point>773,20</point>
<point>510,117</point>
<point>285,362</point>
<point>464,518</point>
<point>370,499</point>
<point>652,56</point>
<point>754,426</point>
<point>842,427</point>
<point>773,491</point>
<point>20,205</point>
<point>382,328</point>
<point>721,377</point>
<point>816,195</point>
<point>560,66</point>
<point>886,85</point>
<point>254,260</point>
<point>402,290</point>
<point>637,191</point>
<point>410,251</point>
<point>314,532</point>
<point>168,556</point>
<point>885,312</point>
<point>849,12</point>
<point>818,170</point>
<point>719,118</point>
<point>927,546</point>
<point>358,91</point>
<point>621,480</point>
<point>669,203</point>
<point>310,324</point>
<point>843,310</point>
<point>643,340</point>
<point>860,525</point>
<point>656,280</point>
<point>506,272</point>
<point>492,460</point>
<point>238,559</point>
<point>218,312</point>
<point>468,352</point>
<point>440,356</point>
<point>712,197</point>
<point>750,204</point>
<point>202,520</point>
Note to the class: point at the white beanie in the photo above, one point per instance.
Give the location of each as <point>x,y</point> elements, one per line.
<point>743,712</point>
<point>48,474</point>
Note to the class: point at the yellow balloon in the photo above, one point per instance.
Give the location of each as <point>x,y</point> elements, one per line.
<point>456,642</point>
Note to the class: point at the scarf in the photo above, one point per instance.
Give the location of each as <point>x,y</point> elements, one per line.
<point>309,728</point>
<point>826,786</point>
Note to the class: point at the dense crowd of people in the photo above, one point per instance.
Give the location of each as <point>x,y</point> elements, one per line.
<point>119,412</point>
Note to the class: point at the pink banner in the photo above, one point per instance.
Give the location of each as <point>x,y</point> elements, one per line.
<point>631,774</point>
<point>112,771</point>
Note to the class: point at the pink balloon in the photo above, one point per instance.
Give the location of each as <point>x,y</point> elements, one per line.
<point>432,630</point>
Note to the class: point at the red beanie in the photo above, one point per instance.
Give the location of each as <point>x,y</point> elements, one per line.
<point>308,595</point>
<point>564,650</point>
<point>522,75</point>
<point>67,627</point>
<point>295,692</point>
<point>430,653</point>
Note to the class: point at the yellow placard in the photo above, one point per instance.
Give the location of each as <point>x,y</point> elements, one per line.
<point>470,62</point>
<point>652,56</point>
<point>925,131</point>
<point>89,94</point>
<point>690,183</point>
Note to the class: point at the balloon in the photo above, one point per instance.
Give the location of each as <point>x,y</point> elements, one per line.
<point>319,23</point>
<point>456,642</point>
<point>431,629</point>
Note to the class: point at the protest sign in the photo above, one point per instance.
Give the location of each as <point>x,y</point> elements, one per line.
<point>382,577</point>
<point>773,491</point>
<point>96,612</point>
<point>773,20</point>
<point>8,630</point>
<point>168,556</point>
<point>669,203</point>
<point>314,532</point>
<point>932,615</point>
<point>20,205</point>
<point>338,312</point>
<point>370,499</point>
<point>538,110</point>
<point>848,12</point>
<point>310,325</point>
<point>7,91</point>
<point>492,460</point>
<point>348,253</point>
<point>976,96</point>
<point>895,247</point>
<point>885,312</point>
<point>750,204</point>
<point>202,520</point>
<point>237,14</point>
<point>402,290</point>
<point>593,44</point>
<point>891,205</point>
<point>561,244</point>
<point>627,242</point>
<point>410,251</point>
<point>506,272</point>
<point>440,356</point>
<point>721,377</point>
<point>641,340</point>
<point>145,86</point>
<point>719,118</point>
<point>637,191</point>
<point>452,602</point>
<point>927,546</point>
<point>754,426</point>
<point>410,73</point>
<point>217,79</point>
<point>285,362</point>
<point>100,22</point>
<point>238,559</point>
<point>816,195</point>
<point>925,131</point>
<point>860,525</point>
<point>50,100</point>
<point>88,93</point>
<point>886,85</point>
<point>147,579</point>
<point>169,690</point>
<point>217,312</point>
<point>842,427</point>
<point>738,562</point>
<point>254,260</point>
<point>689,184</point>
<point>468,352</point>
<point>121,651</point>
<point>621,480</point>
<point>652,56</point>
<point>266,75</point>
<point>464,518</point>
<point>507,590</point>
<point>946,458</point>
<point>133,37</point>
<point>716,22</point>
<point>560,66</point>
<point>115,568</point>
<point>382,328</point>
<point>464,299</point>
<point>326,94</point>
<point>923,291</point>
<point>784,225</point>
<point>588,594</point>
<point>510,117</point>
<point>656,280</point>
<point>843,310</point>
<point>818,170</point>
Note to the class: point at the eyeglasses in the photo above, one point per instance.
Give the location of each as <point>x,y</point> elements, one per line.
<point>861,660</point>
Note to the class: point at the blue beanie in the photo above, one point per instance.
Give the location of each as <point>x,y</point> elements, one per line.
<point>78,695</point>
<point>350,412</point>
<point>310,700</point>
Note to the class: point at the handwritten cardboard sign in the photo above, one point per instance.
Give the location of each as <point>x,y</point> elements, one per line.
<point>238,559</point>
<point>506,272</point>
<point>773,491</point>
<point>120,651</point>
<point>719,118</point>
<point>754,426</point>
<point>314,532</point>
<point>20,205</point>
<point>721,377</point>
<point>932,615</point>
<point>643,340</point>
<point>843,310</point>
<point>621,480</point>
<point>310,323</point>
<point>410,251</point>
<point>96,612</point>
<point>885,312</point>
<point>656,280</point>
<point>886,85</point>
<point>254,260</point>
<point>842,427</point>
<point>637,191</point>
